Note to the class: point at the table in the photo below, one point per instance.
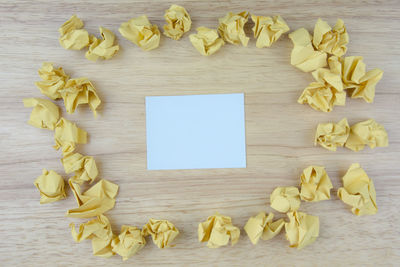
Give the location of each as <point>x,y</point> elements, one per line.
<point>279,134</point>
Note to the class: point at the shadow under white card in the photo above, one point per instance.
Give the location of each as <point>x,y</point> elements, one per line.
<point>195,131</point>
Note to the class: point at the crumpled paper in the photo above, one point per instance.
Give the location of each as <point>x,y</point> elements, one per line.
<point>178,22</point>
<point>331,40</point>
<point>358,82</point>
<point>45,113</point>
<point>366,88</point>
<point>128,242</point>
<point>369,133</point>
<point>331,135</point>
<point>79,91</point>
<point>206,41</point>
<point>262,226</point>
<point>315,184</point>
<point>284,199</point>
<point>141,32</point>
<point>267,30</point>
<point>53,80</point>
<point>162,232</point>
<point>358,191</point>
<point>67,135</point>
<point>99,231</point>
<point>85,167</point>
<point>302,229</point>
<point>72,36</point>
<point>325,93</point>
<point>95,201</point>
<point>303,55</point>
<point>231,28</point>
<point>104,49</point>
<point>51,187</point>
<point>217,231</point>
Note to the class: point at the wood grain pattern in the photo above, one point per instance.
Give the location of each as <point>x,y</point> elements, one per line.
<point>279,134</point>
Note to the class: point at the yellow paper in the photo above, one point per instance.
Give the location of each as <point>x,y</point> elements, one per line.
<point>95,201</point>
<point>53,80</point>
<point>332,41</point>
<point>303,55</point>
<point>217,231</point>
<point>104,49</point>
<point>325,93</point>
<point>357,81</point>
<point>284,199</point>
<point>79,91</point>
<point>128,242</point>
<point>231,28</point>
<point>262,226</point>
<point>178,22</point>
<point>302,229</point>
<point>331,135</point>
<point>206,41</point>
<point>315,184</point>
<point>267,30</point>
<point>45,113</point>
<point>162,232</point>
<point>369,133</point>
<point>353,69</point>
<point>51,187</point>
<point>358,191</point>
<point>99,231</point>
<point>67,135</point>
<point>72,36</point>
<point>335,66</point>
<point>84,167</point>
<point>366,88</point>
<point>141,32</point>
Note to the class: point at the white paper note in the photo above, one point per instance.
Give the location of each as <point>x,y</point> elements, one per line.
<point>195,132</point>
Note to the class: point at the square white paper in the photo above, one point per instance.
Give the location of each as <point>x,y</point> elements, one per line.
<point>195,132</point>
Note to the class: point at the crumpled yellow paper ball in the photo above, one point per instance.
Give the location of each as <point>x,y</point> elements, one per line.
<point>284,199</point>
<point>80,91</point>
<point>325,93</point>
<point>358,191</point>
<point>366,88</point>
<point>206,41</point>
<point>45,113</point>
<point>315,184</point>
<point>303,55</point>
<point>369,133</point>
<point>67,135</point>
<point>262,226</point>
<point>358,82</point>
<point>141,32</point>
<point>178,22</point>
<point>231,28</point>
<point>128,242</point>
<point>331,40</point>
<point>51,187</point>
<point>72,36</point>
<point>217,231</point>
<point>162,232</point>
<point>95,201</point>
<point>104,49</point>
<point>302,229</point>
<point>99,231</point>
<point>85,167</point>
<point>332,135</point>
<point>53,80</point>
<point>267,30</point>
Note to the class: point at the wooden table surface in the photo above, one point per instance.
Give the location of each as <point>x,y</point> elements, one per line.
<point>279,134</point>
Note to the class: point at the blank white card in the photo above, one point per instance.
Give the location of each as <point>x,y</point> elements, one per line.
<point>195,132</point>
